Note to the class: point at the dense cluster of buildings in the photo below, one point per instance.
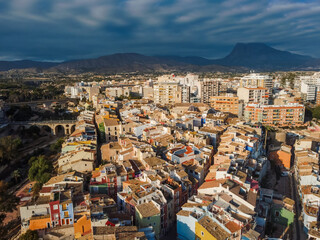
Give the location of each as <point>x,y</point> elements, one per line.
<point>181,151</point>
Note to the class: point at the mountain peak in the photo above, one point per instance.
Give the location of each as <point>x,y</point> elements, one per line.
<point>261,56</point>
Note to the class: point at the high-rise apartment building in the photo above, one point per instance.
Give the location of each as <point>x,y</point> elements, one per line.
<point>170,93</point>
<point>253,95</point>
<point>185,94</point>
<point>309,86</point>
<point>275,115</point>
<point>210,88</point>
<point>257,80</point>
<point>309,91</point>
<point>226,103</point>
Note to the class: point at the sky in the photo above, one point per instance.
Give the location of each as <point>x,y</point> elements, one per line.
<point>57,30</point>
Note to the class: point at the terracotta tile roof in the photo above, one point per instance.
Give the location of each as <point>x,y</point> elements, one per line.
<point>59,178</point>
<point>46,189</point>
<point>111,122</point>
<point>214,228</point>
<point>184,213</point>
<point>147,209</point>
<point>233,226</point>
<point>212,184</point>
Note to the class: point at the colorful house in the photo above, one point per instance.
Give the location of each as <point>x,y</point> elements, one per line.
<point>148,215</point>
<point>207,229</point>
<point>82,225</point>
<point>61,208</point>
<point>40,222</point>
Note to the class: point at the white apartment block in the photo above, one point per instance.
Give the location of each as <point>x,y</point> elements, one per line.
<point>254,95</point>
<point>309,85</point>
<point>309,90</point>
<point>257,80</point>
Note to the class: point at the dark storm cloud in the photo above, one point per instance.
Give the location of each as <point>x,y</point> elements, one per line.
<point>60,29</point>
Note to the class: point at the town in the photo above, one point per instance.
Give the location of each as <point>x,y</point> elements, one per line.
<point>174,156</point>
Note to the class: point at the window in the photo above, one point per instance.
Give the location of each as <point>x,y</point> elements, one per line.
<point>277,213</point>
<point>202,233</point>
<point>148,218</point>
<point>55,207</point>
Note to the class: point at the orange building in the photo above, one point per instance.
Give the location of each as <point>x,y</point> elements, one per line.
<point>275,115</point>
<point>318,98</point>
<point>282,157</point>
<point>40,222</point>
<point>82,225</point>
<point>226,103</point>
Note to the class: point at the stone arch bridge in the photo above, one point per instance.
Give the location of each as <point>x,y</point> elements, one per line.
<point>65,126</point>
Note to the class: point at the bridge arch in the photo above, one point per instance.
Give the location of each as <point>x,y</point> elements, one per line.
<point>47,129</point>
<point>72,129</point>
<point>59,130</point>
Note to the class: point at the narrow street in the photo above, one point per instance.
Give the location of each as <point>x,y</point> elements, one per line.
<point>298,224</point>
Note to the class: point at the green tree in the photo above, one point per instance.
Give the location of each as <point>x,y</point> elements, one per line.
<point>8,148</point>
<point>316,112</point>
<point>16,175</point>
<point>8,202</point>
<point>56,147</point>
<point>36,189</point>
<point>40,170</point>
<point>291,77</point>
<point>29,235</point>
<point>283,81</point>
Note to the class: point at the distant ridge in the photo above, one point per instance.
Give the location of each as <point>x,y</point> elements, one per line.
<point>262,57</point>
<point>243,57</point>
<point>22,64</point>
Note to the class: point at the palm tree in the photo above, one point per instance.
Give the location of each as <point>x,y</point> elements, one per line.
<point>16,175</point>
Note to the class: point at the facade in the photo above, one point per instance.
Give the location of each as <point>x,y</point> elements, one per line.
<point>208,229</point>
<point>318,97</point>
<point>257,80</point>
<point>166,92</point>
<point>210,88</point>
<point>185,94</point>
<point>227,103</point>
<point>148,215</point>
<point>275,115</point>
<point>112,129</point>
<point>309,91</point>
<point>253,95</point>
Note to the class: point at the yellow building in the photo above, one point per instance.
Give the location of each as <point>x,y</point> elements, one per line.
<point>40,222</point>
<point>207,229</point>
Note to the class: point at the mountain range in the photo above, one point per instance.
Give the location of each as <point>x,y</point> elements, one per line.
<point>243,57</point>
